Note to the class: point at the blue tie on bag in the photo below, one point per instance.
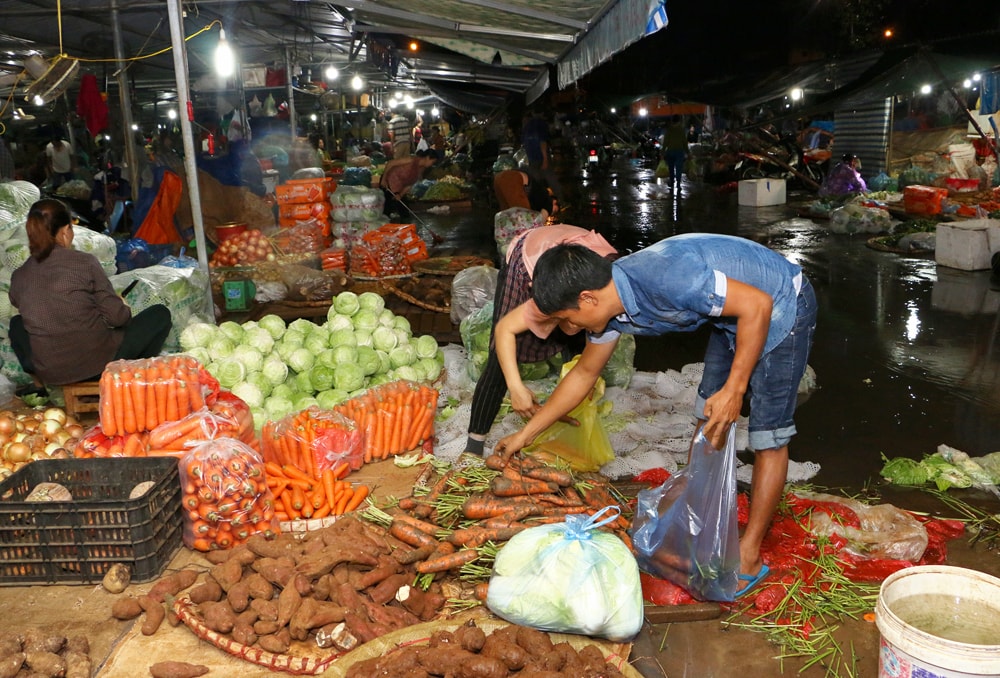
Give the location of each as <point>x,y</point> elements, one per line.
<point>685,530</point>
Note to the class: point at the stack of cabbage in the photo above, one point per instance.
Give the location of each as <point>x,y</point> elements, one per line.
<point>279,369</point>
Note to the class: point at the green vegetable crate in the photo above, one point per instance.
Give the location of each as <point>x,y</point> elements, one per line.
<point>76,542</point>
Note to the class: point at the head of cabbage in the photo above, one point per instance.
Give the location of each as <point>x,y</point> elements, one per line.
<point>347,303</point>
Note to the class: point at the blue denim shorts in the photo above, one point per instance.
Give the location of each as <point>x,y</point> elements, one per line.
<point>774,383</point>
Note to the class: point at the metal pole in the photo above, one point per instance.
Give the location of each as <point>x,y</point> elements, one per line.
<point>291,91</point>
<point>125,102</point>
<point>184,117</point>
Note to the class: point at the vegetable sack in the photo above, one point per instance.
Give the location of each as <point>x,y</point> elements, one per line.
<point>569,577</point>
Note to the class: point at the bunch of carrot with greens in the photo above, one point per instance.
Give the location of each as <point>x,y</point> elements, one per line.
<point>299,496</point>
<point>139,395</point>
<point>457,523</point>
<point>225,495</point>
<point>395,417</point>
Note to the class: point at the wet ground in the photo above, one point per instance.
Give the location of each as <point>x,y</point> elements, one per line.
<point>907,357</point>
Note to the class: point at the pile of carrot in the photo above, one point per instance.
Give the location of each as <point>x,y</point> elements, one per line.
<point>139,395</point>
<point>465,509</point>
<point>312,440</point>
<point>333,259</point>
<point>395,417</point>
<point>225,496</point>
<point>298,495</point>
<point>94,444</point>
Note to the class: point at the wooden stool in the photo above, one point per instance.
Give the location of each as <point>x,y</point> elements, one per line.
<point>82,397</point>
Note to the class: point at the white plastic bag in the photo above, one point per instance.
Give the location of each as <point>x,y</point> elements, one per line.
<point>569,577</point>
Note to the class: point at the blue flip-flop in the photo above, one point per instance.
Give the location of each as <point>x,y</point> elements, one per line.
<point>752,580</point>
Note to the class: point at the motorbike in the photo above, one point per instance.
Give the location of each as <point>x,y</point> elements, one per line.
<point>785,160</point>
<point>594,154</point>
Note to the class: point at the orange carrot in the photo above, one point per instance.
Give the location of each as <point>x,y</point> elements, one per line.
<point>329,478</point>
<point>138,388</point>
<point>447,562</point>
<point>502,486</point>
<point>274,470</point>
<point>160,389</point>
<point>130,424</point>
<point>411,535</point>
<point>344,499</point>
<point>355,501</point>
<point>429,528</point>
<point>318,495</point>
<point>172,410</point>
<point>418,431</point>
<point>119,403</point>
<point>297,474</point>
<point>298,497</point>
<point>322,512</point>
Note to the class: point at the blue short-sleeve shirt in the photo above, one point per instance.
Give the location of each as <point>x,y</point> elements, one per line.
<point>680,283</point>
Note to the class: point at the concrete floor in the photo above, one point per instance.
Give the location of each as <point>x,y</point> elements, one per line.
<point>906,357</point>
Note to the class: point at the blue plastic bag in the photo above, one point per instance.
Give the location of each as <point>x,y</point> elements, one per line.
<point>685,530</point>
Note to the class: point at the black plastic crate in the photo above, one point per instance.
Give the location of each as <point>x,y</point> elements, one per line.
<point>75,542</point>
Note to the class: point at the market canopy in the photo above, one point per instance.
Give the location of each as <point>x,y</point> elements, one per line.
<point>507,46</point>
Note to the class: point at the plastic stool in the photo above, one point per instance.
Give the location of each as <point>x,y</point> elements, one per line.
<point>82,397</point>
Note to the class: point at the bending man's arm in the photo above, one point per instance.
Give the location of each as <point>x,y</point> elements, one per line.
<point>574,387</point>
<point>752,309</point>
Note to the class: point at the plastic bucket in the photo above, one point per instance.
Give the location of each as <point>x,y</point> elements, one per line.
<point>907,651</point>
<point>224,232</point>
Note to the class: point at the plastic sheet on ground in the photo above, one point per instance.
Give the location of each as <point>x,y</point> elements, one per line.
<point>650,423</point>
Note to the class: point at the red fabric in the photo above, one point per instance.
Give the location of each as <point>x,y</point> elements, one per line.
<point>90,105</point>
<point>158,226</point>
<point>654,477</point>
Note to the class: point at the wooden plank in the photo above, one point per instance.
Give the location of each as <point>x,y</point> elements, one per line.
<point>667,614</point>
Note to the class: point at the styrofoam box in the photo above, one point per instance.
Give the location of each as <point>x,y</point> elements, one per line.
<point>762,192</point>
<point>966,244</point>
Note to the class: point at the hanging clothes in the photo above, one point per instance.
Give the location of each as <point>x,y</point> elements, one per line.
<point>90,105</point>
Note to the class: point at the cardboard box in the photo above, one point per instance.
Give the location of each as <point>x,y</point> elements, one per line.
<point>296,191</point>
<point>923,199</point>
<point>965,245</point>
<point>762,192</point>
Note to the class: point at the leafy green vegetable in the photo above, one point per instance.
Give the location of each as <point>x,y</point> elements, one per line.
<point>347,303</point>
<point>348,377</point>
<point>904,471</point>
<point>274,324</point>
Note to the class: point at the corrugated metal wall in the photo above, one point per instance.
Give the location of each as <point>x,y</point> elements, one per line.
<point>865,132</point>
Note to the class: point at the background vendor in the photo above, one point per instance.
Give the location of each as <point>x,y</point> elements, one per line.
<point>71,322</point>
<point>399,176</point>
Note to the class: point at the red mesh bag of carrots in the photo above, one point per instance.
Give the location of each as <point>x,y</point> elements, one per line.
<point>395,417</point>
<point>139,395</point>
<point>313,441</point>
<point>228,417</point>
<point>225,495</point>
<point>95,444</point>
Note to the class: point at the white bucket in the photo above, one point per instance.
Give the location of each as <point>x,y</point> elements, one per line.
<point>906,651</point>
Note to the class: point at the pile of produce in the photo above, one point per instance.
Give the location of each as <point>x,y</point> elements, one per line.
<point>443,190</point>
<point>278,369</point>
<point>246,248</point>
<point>299,496</point>
<point>946,468</point>
<point>35,653</point>
<point>29,436</point>
<point>508,651</point>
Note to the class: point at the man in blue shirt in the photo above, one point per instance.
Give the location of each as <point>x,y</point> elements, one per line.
<point>763,314</point>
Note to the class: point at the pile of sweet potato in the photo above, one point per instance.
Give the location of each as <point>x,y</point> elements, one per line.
<point>339,586</point>
<point>34,653</point>
<point>468,652</point>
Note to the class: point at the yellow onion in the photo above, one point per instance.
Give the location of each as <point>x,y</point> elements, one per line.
<point>17,453</point>
<point>55,414</point>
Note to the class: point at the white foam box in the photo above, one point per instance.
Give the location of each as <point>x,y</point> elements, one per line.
<point>762,192</point>
<point>965,245</point>
<point>965,293</point>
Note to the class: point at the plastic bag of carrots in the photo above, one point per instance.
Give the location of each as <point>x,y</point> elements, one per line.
<point>94,444</point>
<point>313,441</point>
<point>225,495</point>
<point>229,417</point>
<point>139,395</point>
<point>395,417</point>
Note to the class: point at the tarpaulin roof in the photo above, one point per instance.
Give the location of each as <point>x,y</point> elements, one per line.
<point>508,46</point>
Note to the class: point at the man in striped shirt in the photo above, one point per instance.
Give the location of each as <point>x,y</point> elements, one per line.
<point>400,131</point>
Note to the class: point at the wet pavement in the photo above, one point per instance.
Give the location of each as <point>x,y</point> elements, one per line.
<point>906,353</point>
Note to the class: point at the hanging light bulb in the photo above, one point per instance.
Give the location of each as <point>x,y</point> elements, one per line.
<point>435,111</point>
<point>225,60</point>
<point>332,73</point>
<point>357,83</point>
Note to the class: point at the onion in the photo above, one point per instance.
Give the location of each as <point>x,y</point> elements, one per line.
<point>56,414</point>
<point>7,425</point>
<point>17,453</point>
<point>71,421</point>
<point>49,428</point>
<point>63,437</point>
<point>50,448</point>
<point>30,425</point>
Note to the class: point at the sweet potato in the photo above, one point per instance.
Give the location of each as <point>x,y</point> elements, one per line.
<point>267,610</point>
<point>172,584</point>
<point>177,669</point>
<point>265,628</point>
<point>244,634</point>
<point>220,556</point>
<point>470,637</point>
<point>45,663</point>
<point>278,643</point>
<point>313,614</point>
<point>265,548</point>
<point>321,587</point>
<point>227,574</point>
<point>453,661</point>
<point>386,568</point>
<point>387,588</point>
<point>126,608</point>
<point>238,596</point>
<point>77,644</point>
<point>275,570</point>
<point>537,643</point>
<point>288,602</point>
<point>78,664</point>
<point>512,655</point>
<point>11,664</point>
<point>208,590</point>
<point>218,616</point>
<point>258,587</point>
<point>155,614</point>
<point>320,563</point>
<point>592,658</point>
<point>36,640</point>
<point>247,616</point>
